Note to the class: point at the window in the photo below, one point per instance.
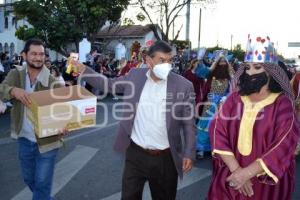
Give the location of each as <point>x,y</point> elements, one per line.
<point>14,22</point>
<point>6,48</point>
<point>12,50</point>
<point>6,23</point>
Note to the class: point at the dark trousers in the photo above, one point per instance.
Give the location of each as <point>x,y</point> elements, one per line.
<point>159,171</point>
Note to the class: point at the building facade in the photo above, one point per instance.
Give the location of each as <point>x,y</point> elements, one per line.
<point>8,26</point>
<point>110,37</point>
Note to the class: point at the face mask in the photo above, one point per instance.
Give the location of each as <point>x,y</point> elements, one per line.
<point>252,84</point>
<point>162,71</point>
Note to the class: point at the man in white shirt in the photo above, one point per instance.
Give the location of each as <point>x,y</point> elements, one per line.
<point>150,133</point>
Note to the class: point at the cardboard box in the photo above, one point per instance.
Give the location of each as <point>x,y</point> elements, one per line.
<point>68,107</point>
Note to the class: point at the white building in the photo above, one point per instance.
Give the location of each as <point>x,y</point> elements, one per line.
<point>109,37</point>
<point>8,25</point>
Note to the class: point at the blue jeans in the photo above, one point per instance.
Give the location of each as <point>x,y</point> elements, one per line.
<point>37,168</point>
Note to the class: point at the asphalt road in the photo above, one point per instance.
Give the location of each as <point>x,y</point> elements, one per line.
<point>88,168</point>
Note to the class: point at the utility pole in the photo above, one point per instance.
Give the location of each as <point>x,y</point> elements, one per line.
<point>187,33</point>
<point>173,30</point>
<point>200,18</point>
<point>188,15</point>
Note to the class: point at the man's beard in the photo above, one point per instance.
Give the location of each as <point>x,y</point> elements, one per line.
<point>34,66</point>
<point>252,84</point>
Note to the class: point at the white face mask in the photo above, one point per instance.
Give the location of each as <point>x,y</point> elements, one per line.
<point>162,71</point>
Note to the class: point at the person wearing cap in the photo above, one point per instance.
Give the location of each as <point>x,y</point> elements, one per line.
<point>255,133</point>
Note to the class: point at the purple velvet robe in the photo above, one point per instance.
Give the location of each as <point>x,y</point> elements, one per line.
<point>275,136</point>
<point>198,84</point>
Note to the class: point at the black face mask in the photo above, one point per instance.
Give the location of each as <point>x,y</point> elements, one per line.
<point>252,84</point>
<point>220,72</point>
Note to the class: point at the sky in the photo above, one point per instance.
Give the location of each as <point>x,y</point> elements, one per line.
<point>277,19</point>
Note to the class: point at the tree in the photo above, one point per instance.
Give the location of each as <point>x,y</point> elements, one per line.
<point>238,52</point>
<point>167,10</point>
<point>128,22</point>
<point>62,22</point>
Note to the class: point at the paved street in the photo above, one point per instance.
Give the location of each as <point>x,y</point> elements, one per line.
<point>87,167</point>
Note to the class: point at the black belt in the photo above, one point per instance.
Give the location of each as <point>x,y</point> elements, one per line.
<point>152,152</point>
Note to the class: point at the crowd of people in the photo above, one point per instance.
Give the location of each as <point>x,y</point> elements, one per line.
<point>244,113</point>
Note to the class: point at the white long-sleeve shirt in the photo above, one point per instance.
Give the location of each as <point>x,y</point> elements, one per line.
<point>149,128</point>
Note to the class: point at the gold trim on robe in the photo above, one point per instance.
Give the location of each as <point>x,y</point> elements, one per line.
<point>266,170</point>
<point>221,152</point>
<point>249,117</point>
<point>217,151</point>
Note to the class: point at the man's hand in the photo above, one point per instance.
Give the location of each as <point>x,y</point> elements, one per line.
<point>78,67</point>
<point>21,95</point>
<point>63,132</point>
<point>238,178</point>
<point>187,165</point>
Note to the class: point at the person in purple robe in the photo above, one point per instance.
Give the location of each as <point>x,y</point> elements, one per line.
<point>198,82</point>
<point>254,136</point>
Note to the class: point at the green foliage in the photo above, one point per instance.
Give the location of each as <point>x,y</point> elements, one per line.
<point>281,57</point>
<point>25,33</point>
<point>181,44</point>
<point>6,13</point>
<point>61,22</point>
<point>212,49</point>
<point>238,52</point>
<point>128,22</point>
<point>140,17</point>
